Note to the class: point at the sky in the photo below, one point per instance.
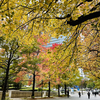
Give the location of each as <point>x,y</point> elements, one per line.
<point>55,40</point>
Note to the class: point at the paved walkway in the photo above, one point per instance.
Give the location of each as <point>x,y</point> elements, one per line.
<point>72,97</point>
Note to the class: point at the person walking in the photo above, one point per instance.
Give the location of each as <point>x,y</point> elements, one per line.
<point>68,93</point>
<point>95,92</point>
<point>88,94</point>
<point>79,93</point>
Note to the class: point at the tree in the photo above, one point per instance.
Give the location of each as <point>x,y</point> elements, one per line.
<point>32,60</point>
<point>12,39</point>
<point>9,56</point>
<point>57,17</point>
<point>69,19</point>
<point>56,68</point>
<point>90,85</point>
<point>88,55</point>
<point>30,63</point>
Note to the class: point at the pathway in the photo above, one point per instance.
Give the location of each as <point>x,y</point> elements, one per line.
<point>72,97</point>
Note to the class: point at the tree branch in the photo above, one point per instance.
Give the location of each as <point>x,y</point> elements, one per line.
<point>83,18</point>
<point>1,2</point>
<point>2,67</point>
<point>94,8</point>
<point>94,50</point>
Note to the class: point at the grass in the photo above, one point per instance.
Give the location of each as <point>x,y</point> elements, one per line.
<point>30,88</point>
<point>26,88</point>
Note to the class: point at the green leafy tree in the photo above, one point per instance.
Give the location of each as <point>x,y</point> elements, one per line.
<point>12,57</point>
<point>91,85</point>
<point>30,62</point>
<point>9,60</point>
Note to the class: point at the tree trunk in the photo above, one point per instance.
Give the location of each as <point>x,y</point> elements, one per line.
<point>65,89</point>
<point>49,89</point>
<point>5,83</point>
<point>42,88</point>
<point>33,85</point>
<point>58,90</point>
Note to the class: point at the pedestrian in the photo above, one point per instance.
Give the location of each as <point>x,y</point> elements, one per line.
<point>95,93</point>
<point>68,93</point>
<point>79,93</point>
<point>88,94</point>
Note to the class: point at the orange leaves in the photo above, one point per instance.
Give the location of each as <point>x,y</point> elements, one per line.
<point>20,76</point>
<point>21,73</point>
<point>58,81</point>
<point>54,45</point>
<point>17,80</point>
<point>43,39</point>
<point>29,82</point>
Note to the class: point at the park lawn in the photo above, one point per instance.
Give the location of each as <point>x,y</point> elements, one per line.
<point>30,88</point>
<point>26,88</point>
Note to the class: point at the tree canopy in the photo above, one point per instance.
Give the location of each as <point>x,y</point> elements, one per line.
<point>78,20</point>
